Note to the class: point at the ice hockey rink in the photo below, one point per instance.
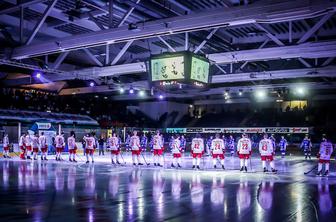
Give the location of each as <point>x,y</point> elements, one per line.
<point>64,191</point>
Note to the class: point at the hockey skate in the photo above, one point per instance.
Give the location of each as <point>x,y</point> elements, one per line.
<point>113,162</point>
<point>265,170</point>
<point>198,167</point>
<point>193,166</point>
<point>245,168</point>
<point>4,156</point>
<point>319,173</point>
<point>87,162</point>
<point>241,169</point>
<point>172,165</point>
<point>118,163</point>
<point>274,170</point>
<point>179,166</point>
<point>154,164</point>
<point>215,166</point>
<point>326,173</point>
<point>223,167</point>
<point>134,164</point>
<point>70,159</point>
<point>140,164</point>
<point>74,160</point>
<point>45,158</point>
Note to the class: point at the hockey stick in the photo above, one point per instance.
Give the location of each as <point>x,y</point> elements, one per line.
<point>250,162</point>
<point>305,173</point>
<point>145,159</point>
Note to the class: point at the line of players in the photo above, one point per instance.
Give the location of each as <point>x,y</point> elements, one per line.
<point>30,145</point>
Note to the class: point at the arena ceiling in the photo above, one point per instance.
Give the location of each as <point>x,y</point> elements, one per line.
<point>250,43</point>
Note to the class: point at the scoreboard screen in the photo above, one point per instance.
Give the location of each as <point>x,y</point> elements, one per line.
<point>199,70</point>
<point>165,69</point>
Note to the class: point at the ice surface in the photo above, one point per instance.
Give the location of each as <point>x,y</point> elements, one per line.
<point>64,191</point>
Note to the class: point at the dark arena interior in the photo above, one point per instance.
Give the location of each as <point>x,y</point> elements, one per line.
<point>167,110</point>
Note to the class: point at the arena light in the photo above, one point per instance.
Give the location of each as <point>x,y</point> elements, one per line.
<point>141,93</point>
<point>226,93</point>
<point>240,93</point>
<point>38,75</point>
<point>161,97</point>
<point>131,90</point>
<point>121,90</point>
<point>260,94</point>
<point>300,91</point>
<point>92,84</point>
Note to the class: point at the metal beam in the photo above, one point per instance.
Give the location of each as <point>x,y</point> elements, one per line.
<point>220,68</point>
<point>110,13</point>
<point>180,5</point>
<point>269,34</point>
<point>328,61</point>
<point>128,13</point>
<point>267,11</point>
<point>21,24</point>
<point>107,54</point>
<point>40,23</point>
<point>290,32</point>
<point>167,44</point>
<point>318,25</point>
<point>59,60</point>
<point>309,50</point>
<point>92,57</point>
<point>122,52</point>
<point>260,47</point>
<point>205,40</point>
<point>304,62</point>
<point>19,6</point>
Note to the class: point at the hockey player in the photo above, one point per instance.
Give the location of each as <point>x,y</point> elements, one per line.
<point>114,145</point>
<point>217,148</point>
<point>183,143</point>
<point>35,145</point>
<point>59,144</point>
<point>283,146</point>
<point>176,150</point>
<point>43,146</point>
<point>231,145</point>
<point>22,146</point>
<point>266,150</point>
<point>306,145</point>
<point>197,150</point>
<point>244,151</point>
<point>158,149</point>
<point>72,146</point>
<point>27,140</point>
<point>128,142</point>
<point>90,144</point>
<point>135,147</point>
<point>324,154</point>
<point>5,146</point>
<point>143,142</point>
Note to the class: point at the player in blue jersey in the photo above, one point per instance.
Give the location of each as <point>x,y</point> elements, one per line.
<point>283,146</point>
<point>306,145</point>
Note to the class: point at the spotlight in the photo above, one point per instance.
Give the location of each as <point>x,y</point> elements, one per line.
<point>300,91</point>
<point>161,97</point>
<point>240,93</point>
<point>131,91</point>
<point>141,93</point>
<point>38,75</point>
<point>226,93</point>
<point>260,94</point>
<point>121,90</point>
<point>92,84</point>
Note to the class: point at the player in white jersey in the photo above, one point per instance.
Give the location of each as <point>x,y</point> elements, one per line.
<point>244,150</point>
<point>35,145</point>
<point>43,146</point>
<point>135,147</point>
<point>114,146</point>
<point>197,150</point>
<point>157,149</point>
<point>324,154</point>
<point>266,149</point>
<point>217,149</point>
<point>27,141</point>
<point>72,146</point>
<point>5,142</point>
<point>22,146</point>
<point>90,145</point>
<point>59,144</point>
<point>176,151</point>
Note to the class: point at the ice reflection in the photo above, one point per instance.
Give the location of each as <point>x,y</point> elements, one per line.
<point>114,185</point>
<point>42,176</point>
<point>176,185</point>
<point>59,178</point>
<point>217,190</point>
<point>90,180</point>
<point>324,198</point>
<point>5,173</point>
<point>265,194</point>
<point>243,196</point>
<point>72,178</point>
<point>196,190</point>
